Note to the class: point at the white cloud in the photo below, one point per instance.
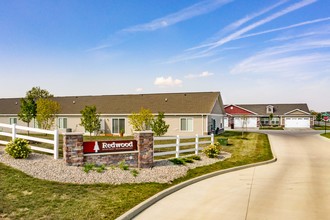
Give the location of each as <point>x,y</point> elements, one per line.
<point>139,89</point>
<point>303,58</point>
<point>169,81</point>
<point>246,19</point>
<point>207,49</point>
<point>182,15</point>
<point>285,28</point>
<point>203,74</point>
<point>283,12</point>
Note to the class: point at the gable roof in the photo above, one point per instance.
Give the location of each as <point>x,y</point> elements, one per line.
<point>238,107</point>
<point>279,109</point>
<point>198,102</point>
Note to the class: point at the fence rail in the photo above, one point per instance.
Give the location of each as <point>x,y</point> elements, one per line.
<point>13,134</point>
<point>178,144</point>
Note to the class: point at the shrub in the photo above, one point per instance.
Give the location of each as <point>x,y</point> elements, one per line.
<point>18,148</point>
<point>212,151</point>
<point>100,169</point>
<point>178,161</point>
<point>187,160</point>
<point>88,167</point>
<point>195,157</point>
<point>122,165</point>
<point>134,172</point>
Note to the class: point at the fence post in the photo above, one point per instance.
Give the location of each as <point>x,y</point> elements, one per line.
<point>212,138</point>
<point>177,148</point>
<point>56,144</point>
<point>196,144</point>
<point>13,131</point>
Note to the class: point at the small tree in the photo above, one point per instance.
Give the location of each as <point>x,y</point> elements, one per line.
<point>158,125</point>
<point>28,111</point>
<point>141,121</point>
<point>28,106</point>
<point>37,93</point>
<point>90,119</point>
<point>271,116</point>
<point>46,112</point>
<point>244,123</point>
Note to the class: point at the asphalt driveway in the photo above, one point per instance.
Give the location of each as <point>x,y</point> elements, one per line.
<point>297,186</point>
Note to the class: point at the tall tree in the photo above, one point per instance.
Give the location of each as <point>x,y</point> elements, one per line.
<point>90,119</point>
<point>158,125</point>
<point>46,112</point>
<point>37,93</point>
<point>28,111</point>
<point>141,121</point>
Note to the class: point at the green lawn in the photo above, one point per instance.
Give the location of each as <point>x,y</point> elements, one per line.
<point>322,127</point>
<point>327,135</point>
<point>24,197</point>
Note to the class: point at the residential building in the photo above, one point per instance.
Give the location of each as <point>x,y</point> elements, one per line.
<point>258,115</point>
<point>186,113</point>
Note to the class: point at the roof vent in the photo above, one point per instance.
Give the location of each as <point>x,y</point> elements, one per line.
<point>74,102</point>
<point>16,103</point>
<point>166,99</point>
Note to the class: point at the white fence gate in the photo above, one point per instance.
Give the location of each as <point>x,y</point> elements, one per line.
<point>13,134</point>
<point>178,144</point>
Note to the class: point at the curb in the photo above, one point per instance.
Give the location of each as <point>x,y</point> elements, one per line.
<point>130,214</point>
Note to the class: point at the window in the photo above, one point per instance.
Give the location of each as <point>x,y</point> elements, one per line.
<point>62,123</point>
<point>12,121</point>
<point>270,109</point>
<point>186,124</point>
<point>118,124</point>
<point>276,121</point>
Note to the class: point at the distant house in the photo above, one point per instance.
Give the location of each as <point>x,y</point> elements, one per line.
<point>186,113</point>
<point>257,115</point>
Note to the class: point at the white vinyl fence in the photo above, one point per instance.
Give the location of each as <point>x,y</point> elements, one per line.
<point>13,134</point>
<point>178,144</point>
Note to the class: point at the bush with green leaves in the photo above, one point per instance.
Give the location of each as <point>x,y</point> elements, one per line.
<point>18,149</point>
<point>187,160</point>
<point>123,165</point>
<point>195,157</point>
<point>212,151</point>
<point>177,161</point>
<point>135,172</point>
<point>88,167</point>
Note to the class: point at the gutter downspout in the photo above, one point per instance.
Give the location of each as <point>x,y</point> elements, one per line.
<point>202,124</point>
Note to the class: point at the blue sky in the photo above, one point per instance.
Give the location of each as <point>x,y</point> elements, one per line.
<point>274,51</point>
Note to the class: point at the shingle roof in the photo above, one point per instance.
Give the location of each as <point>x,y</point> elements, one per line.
<point>279,109</point>
<point>199,102</point>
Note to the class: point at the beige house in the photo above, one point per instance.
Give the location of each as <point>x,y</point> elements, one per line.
<point>186,113</point>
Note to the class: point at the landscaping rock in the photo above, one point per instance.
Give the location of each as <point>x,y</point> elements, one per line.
<point>44,166</point>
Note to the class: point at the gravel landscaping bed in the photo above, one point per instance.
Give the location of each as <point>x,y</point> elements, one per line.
<point>45,167</point>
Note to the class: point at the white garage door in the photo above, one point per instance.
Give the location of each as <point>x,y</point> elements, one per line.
<point>296,122</point>
<point>251,122</point>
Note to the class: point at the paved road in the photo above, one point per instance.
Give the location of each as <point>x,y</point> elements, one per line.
<point>297,186</point>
